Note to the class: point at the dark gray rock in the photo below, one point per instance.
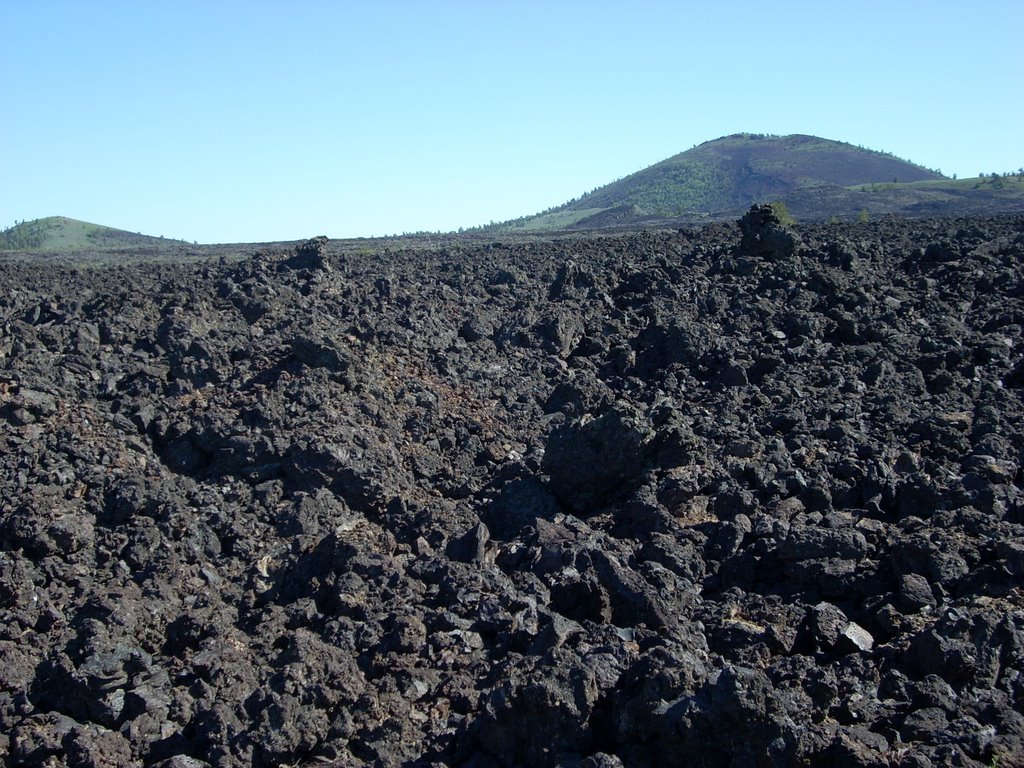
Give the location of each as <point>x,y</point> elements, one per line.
<point>591,462</point>
<point>807,543</point>
<point>915,592</point>
<point>765,236</point>
<point>321,352</point>
<point>311,254</point>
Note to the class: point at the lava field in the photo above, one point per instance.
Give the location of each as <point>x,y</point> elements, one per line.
<point>743,495</point>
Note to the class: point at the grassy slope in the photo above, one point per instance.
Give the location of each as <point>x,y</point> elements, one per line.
<point>561,219</point>
<point>59,233</point>
<point>941,197</point>
<point>1006,186</point>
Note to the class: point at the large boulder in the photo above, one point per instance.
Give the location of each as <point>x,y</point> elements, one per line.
<point>591,463</point>
<point>765,235</point>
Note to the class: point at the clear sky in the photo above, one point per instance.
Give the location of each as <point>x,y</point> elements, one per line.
<point>223,121</point>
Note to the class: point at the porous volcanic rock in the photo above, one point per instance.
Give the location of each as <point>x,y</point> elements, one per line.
<point>739,495</point>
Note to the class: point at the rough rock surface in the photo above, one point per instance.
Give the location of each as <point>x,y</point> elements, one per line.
<point>711,497</point>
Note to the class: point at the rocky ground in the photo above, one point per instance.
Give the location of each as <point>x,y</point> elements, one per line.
<point>738,496</point>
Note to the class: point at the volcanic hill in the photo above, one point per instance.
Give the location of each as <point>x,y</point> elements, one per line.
<point>817,179</point>
<point>61,234</point>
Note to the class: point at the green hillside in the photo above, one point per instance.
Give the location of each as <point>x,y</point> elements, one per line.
<point>58,233</point>
<point>729,174</point>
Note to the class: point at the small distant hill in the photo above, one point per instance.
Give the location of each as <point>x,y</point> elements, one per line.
<point>59,233</point>
<point>815,177</point>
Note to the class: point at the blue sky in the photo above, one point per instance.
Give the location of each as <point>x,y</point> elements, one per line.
<point>229,121</point>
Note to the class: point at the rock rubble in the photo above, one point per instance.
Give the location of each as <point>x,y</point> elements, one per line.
<point>729,496</point>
